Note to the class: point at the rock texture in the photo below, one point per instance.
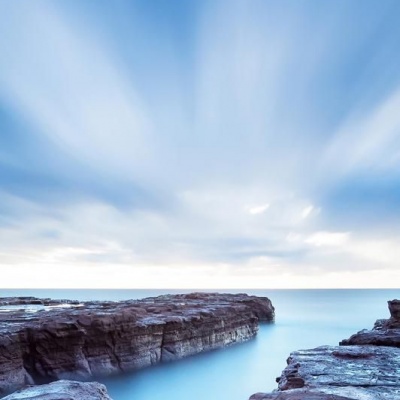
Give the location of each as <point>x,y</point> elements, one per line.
<point>43,340</point>
<point>62,390</point>
<point>386,332</point>
<point>298,394</point>
<point>368,370</point>
<point>335,373</point>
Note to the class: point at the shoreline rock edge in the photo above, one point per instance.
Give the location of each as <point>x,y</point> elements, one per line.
<point>44,340</point>
<point>62,390</point>
<point>363,367</point>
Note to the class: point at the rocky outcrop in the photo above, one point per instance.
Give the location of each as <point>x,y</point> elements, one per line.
<point>386,332</point>
<point>43,340</point>
<point>366,371</point>
<point>298,394</point>
<point>335,372</point>
<point>62,390</point>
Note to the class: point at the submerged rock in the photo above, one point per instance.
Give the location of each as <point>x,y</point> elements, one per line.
<point>386,332</point>
<point>43,340</point>
<point>62,390</point>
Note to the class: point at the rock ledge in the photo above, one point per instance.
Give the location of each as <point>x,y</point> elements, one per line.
<point>43,340</point>
<point>62,390</point>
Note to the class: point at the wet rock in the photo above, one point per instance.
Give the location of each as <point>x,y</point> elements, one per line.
<point>386,332</point>
<point>43,340</point>
<point>62,390</point>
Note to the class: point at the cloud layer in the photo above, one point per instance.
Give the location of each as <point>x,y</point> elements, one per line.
<point>199,144</point>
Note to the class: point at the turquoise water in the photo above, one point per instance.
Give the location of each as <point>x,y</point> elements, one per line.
<point>304,319</point>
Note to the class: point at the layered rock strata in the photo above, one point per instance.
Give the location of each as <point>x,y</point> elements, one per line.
<point>43,340</point>
<point>62,390</point>
<point>366,371</point>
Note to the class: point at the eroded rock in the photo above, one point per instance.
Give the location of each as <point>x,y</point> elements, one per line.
<point>298,394</point>
<point>62,390</point>
<point>386,332</point>
<point>43,340</point>
<point>339,373</point>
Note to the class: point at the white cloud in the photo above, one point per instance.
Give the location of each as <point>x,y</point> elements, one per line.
<point>325,238</point>
<point>307,211</point>
<point>379,251</point>
<point>258,209</point>
<point>99,246</point>
<point>242,139</point>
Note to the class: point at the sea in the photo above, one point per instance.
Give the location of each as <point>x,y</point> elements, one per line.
<point>304,319</point>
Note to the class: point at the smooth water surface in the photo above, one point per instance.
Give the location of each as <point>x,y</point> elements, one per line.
<point>304,319</point>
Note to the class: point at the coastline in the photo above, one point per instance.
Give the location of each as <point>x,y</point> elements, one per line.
<point>323,353</point>
<point>44,340</point>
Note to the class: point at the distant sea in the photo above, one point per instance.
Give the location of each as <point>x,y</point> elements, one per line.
<point>304,319</point>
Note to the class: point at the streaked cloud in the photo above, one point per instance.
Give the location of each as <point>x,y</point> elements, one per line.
<point>206,144</point>
<point>368,142</point>
<point>68,88</point>
<point>307,211</point>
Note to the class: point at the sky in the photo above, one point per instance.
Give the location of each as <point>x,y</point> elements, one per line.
<point>199,144</point>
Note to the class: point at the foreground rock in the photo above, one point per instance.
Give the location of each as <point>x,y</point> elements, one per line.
<point>386,332</point>
<point>62,390</point>
<point>335,373</point>
<point>366,371</point>
<point>298,394</point>
<point>42,340</point>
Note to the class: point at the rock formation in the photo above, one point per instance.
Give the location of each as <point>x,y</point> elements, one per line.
<point>386,332</point>
<point>62,390</point>
<point>43,340</point>
<point>366,371</point>
<point>297,394</point>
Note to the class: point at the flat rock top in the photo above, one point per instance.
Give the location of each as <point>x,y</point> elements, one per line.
<point>16,312</point>
<point>62,390</point>
<point>354,372</point>
<point>297,394</point>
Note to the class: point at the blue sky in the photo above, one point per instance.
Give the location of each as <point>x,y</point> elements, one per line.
<point>199,143</point>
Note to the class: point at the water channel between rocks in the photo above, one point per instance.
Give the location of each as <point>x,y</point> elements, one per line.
<point>304,319</point>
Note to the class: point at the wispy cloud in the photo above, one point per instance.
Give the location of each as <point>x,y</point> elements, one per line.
<point>68,88</point>
<point>369,141</point>
<point>219,143</point>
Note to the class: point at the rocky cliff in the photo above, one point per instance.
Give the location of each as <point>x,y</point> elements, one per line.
<point>43,340</point>
<point>366,371</point>
<point>62,390</point>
